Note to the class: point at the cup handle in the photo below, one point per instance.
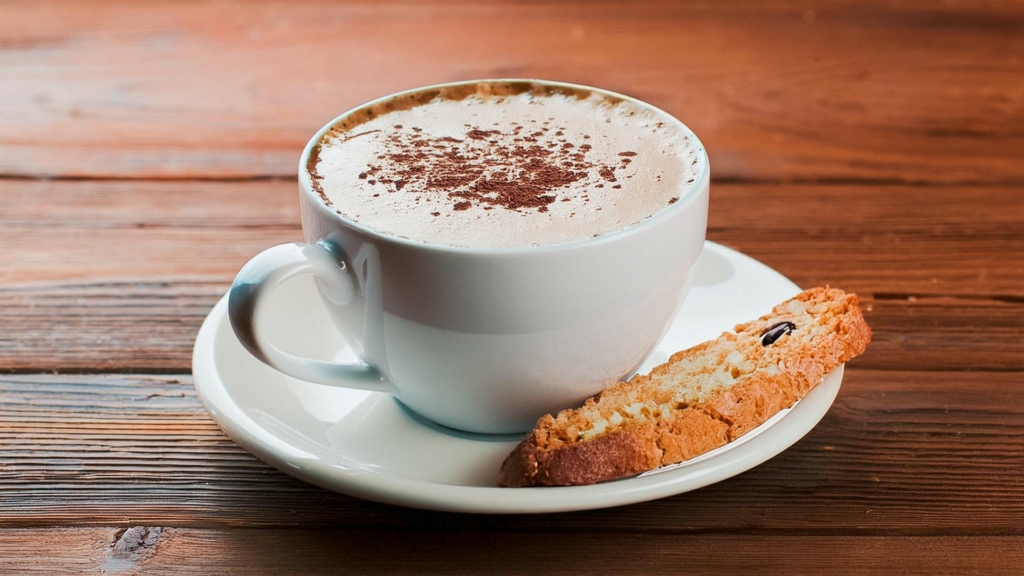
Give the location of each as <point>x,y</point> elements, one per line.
<point>261,276</point>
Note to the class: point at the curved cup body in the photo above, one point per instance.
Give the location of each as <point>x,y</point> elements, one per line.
<point>489,340</point>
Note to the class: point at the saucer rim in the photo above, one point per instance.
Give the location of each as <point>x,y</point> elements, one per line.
<point>433,495</point>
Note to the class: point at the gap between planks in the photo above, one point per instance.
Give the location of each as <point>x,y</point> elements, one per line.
<point>724,180</point>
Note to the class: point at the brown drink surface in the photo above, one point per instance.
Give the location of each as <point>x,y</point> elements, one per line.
<point>500,165</point>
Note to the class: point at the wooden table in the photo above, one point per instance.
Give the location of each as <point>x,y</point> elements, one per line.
<point>148,149</point>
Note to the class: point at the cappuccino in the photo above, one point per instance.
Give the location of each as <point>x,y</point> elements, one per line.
<point>503,165</point>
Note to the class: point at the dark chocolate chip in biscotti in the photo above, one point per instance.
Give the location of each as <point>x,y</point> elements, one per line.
<point>776,331</point>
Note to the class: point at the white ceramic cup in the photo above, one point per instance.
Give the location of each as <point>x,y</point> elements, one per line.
<point>482,340</point>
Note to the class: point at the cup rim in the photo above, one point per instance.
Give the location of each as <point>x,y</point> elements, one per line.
<point>685,198</point>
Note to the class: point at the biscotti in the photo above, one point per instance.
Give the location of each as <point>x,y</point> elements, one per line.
<point>701,399</point>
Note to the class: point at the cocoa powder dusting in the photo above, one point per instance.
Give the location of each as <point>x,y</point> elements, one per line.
<point>478,134</point>
<point>488,168</point>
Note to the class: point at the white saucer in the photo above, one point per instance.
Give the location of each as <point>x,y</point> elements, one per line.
<point>369,445</point>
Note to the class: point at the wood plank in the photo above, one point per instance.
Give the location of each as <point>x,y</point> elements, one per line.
<point>151,325</point>
<point>843,210</point>
<point>868,239</point>
<point>945,333</point>
<point>142,549</point>
<point>900,453</point>
<point>917,91</point>
<point>142,325</point>
<point>29,206</point>
<point>121,274</point>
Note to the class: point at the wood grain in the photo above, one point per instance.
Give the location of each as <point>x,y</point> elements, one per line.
<point>108,276</point>
<point>151,325</point>
<point>912,453</point>
<point>154,550</point>
<point>891,239</point>
<point>916,91</point>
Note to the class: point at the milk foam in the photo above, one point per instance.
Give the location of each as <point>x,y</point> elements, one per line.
<point>500,166</point>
